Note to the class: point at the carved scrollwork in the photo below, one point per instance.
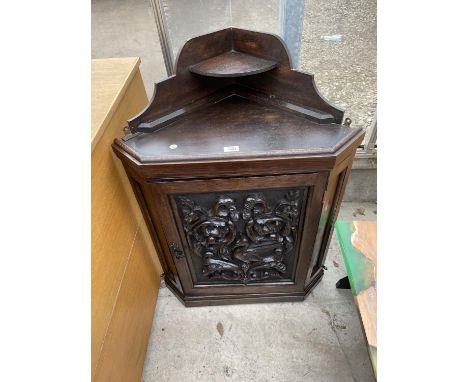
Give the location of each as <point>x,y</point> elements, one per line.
<point>245,245</point>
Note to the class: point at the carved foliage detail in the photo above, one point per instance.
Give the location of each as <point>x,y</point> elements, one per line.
<point>245,245</point>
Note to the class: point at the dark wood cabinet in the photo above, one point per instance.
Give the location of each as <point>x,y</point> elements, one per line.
<point>239,166</point>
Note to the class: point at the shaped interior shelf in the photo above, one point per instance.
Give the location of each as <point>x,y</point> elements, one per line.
<point>232,64</point>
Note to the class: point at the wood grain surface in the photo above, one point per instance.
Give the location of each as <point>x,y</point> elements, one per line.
<point>364,239</point>
<point>256,130</point>
<point>125,269</point>
<point>232,64</point>
<point>358,241</point>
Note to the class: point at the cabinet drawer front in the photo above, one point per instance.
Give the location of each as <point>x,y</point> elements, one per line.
<point>238,235</point>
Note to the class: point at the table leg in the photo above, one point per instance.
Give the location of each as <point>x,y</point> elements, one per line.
<point>343,283</point>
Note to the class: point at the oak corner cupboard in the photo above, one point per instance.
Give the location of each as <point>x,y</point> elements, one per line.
<point>239,166</point>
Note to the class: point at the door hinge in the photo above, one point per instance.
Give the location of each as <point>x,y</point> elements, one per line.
<point>175,251</point>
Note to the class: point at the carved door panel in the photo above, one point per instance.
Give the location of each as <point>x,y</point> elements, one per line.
<point>234,235</point>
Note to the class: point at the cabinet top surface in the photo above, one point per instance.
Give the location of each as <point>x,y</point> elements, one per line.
<point>238,128</point>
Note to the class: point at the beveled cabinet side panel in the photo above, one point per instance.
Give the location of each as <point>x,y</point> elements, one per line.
<point>331,205</point>
<point>241,235</point>
<point>142,192</point>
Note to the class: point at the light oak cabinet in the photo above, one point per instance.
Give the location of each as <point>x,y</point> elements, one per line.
<point>125,268</point>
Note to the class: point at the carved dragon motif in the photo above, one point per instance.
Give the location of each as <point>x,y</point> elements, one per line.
<point>243,246</point>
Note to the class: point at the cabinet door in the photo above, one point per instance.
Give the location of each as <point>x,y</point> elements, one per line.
<point>232,236</point>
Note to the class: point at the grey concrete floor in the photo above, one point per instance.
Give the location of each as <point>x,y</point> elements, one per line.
<point>319,339</point>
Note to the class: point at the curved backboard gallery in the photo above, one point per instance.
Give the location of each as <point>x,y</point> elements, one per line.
<point>237,62</point>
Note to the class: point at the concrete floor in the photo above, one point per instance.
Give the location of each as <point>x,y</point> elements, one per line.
<point>319,339</point>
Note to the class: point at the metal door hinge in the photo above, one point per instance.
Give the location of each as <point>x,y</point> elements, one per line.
<point>175,251</point>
